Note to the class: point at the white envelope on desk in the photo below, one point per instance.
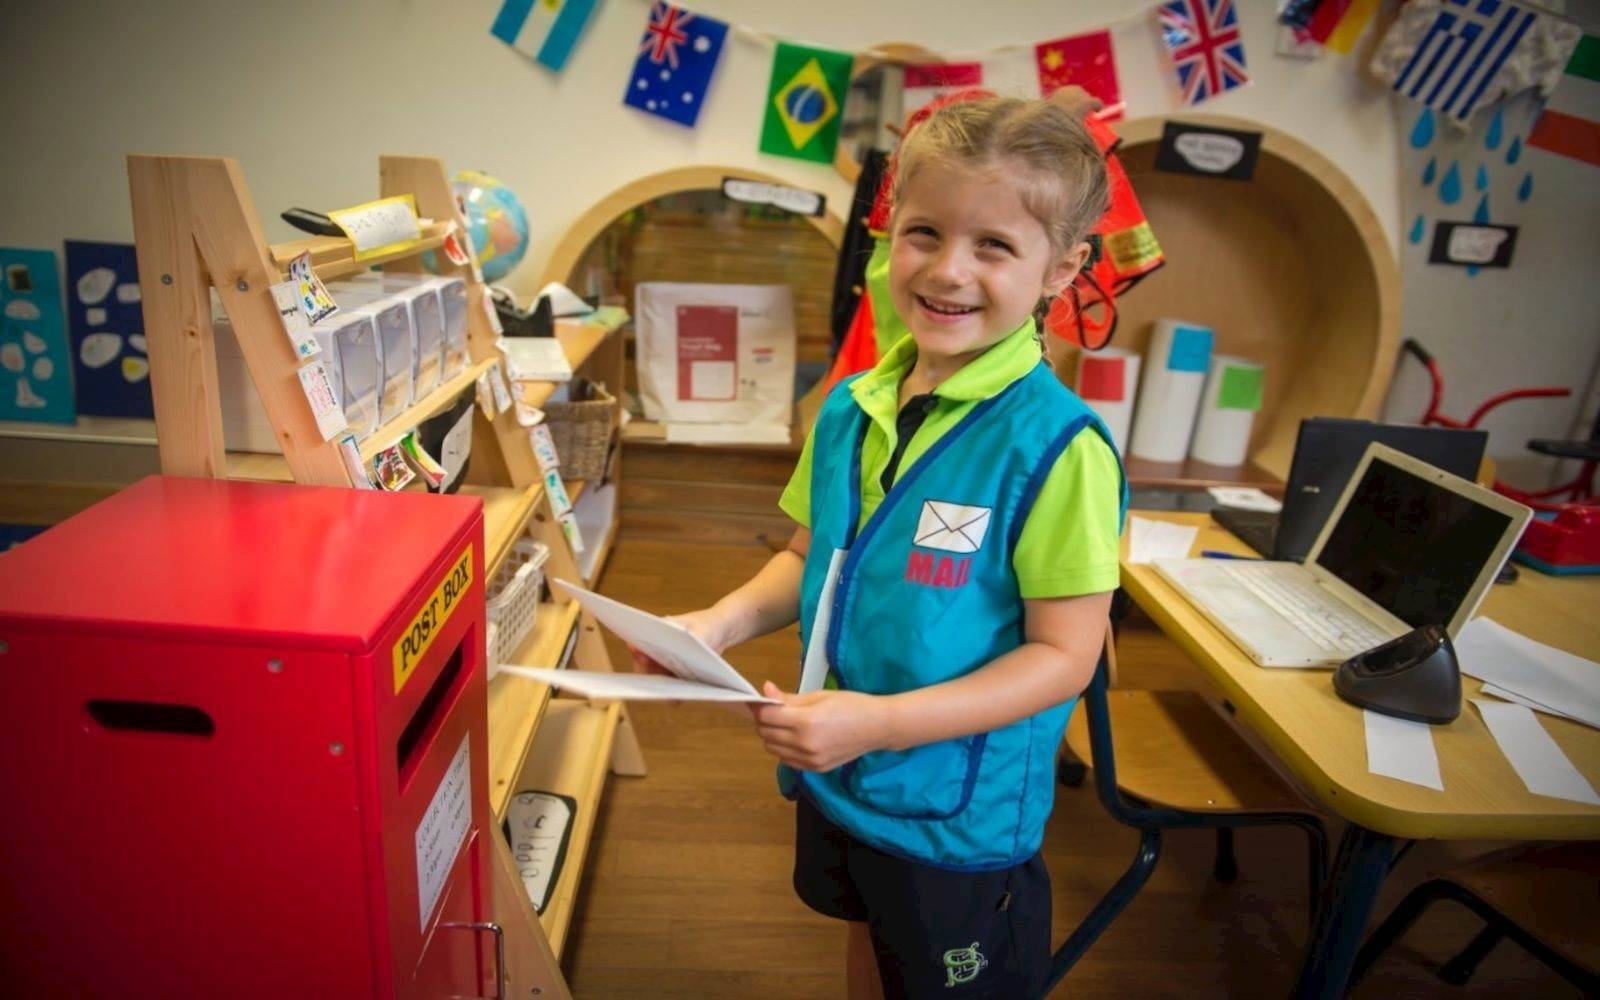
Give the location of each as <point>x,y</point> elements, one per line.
<point>674,647</point>
<point>953,527</point>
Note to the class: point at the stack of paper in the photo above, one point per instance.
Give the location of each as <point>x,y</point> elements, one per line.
<point>1149,540</point>
<point>1518,669</point>
<point>535,359</point>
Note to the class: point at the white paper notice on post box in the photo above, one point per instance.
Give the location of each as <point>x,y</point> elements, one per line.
<point>443,829</point>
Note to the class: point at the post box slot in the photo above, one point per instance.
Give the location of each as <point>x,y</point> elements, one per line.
<point>151,717</point>
<point>418,733</point>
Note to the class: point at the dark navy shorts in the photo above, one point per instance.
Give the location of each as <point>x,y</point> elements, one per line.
<point>936,933</point>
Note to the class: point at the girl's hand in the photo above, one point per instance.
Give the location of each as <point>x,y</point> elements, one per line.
<point>704,623</point>
<point>821,730</point>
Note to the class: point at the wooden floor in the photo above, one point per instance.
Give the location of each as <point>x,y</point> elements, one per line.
<point>687,894</point>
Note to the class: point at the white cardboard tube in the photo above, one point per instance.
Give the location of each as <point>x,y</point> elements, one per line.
<point>1108,391</point>
<point>1222,434</point>
<point>1169,393</point>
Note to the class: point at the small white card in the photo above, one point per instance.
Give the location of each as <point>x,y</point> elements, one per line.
<point>1245,498</point>
<point>489,311</point>
<point>1402,749</point>
<point>324,401</point>
<point>544,448</point>
<point>1533,752</point>
<point>485,396</point>
<point>295,323</point>
<point>556,490</point>
<point>315,301</point>
<point>569,527</point>
<point>350,451</point>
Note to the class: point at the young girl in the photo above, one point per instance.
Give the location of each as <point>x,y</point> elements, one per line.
<point>958,515</point>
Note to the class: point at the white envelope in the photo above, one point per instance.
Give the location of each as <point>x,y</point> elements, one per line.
<point>952,527</point>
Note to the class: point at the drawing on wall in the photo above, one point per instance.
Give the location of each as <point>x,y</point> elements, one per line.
<point>35,368</point>
<point>110,363</point>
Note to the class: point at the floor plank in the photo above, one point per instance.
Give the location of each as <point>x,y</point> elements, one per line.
<point>689,892</point>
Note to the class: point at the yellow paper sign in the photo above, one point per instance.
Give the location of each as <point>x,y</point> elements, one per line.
<point>385,226</point>
<point>431,618</point>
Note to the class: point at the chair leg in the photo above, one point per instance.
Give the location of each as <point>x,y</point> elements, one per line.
<point>1226,866</point>
<point>1395,926</point>
<point>1110,906</point>
<point>1070,771</point>
<point>1458,970</point>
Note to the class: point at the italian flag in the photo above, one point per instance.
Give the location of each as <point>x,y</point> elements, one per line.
<point>1570,124</point>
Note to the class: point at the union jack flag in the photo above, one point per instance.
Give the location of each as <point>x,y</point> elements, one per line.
<point>1202,38</point>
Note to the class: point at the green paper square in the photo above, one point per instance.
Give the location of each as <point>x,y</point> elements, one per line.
<point>805,102</point>
<point>1240,389</point>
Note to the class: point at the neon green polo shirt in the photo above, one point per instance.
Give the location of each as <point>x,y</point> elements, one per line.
<point>1068,544</point>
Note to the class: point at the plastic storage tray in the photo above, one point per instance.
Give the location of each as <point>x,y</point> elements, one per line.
<point>512,601</point>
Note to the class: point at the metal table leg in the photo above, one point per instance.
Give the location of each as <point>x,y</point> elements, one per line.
<point>1359,869</point>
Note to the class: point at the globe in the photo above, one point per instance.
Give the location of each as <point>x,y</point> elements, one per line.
<point>496,224</point>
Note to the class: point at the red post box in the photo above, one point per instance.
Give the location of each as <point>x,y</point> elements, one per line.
<point>245,749</point>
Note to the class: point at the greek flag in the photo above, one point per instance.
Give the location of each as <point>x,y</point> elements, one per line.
<point>543,30</point>
<point>1460,53</point>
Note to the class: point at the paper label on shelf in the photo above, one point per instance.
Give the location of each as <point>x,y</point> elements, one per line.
<point>529,416</point>
<point>544,448</point>
<point>569,527</point>
<point>381,226</point>
<point>454,250</point>
<point>485,396</point>
<point>350,451</point>
<point>295,323</point>
<point>391,469</point>
<point>315,301</point>
<point>489,311</point>
<point>443,830</point>
<point>455,449</point>
<point>324,401</point>
<point>556,490</point>
<point>538,824</point>
<point>498,386</point>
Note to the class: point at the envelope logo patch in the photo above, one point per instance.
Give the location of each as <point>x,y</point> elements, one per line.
<point>952,527</point>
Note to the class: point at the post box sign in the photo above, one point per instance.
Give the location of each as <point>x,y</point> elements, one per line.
<point>431,618</point>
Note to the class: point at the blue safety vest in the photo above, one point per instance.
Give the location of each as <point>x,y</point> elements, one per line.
<point>926,593</point>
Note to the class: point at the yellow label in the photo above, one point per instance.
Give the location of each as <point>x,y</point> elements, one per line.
<point>1133,249</point>
<point>431,618</point>
<point>380,227</point>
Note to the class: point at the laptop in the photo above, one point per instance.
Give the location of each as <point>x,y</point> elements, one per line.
<point>1407,545</point>
<point>1325,452</point>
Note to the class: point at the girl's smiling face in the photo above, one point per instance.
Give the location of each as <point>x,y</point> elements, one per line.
<point>967,260</point>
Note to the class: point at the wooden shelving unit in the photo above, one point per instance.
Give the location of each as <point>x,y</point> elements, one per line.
<point>198,235</point>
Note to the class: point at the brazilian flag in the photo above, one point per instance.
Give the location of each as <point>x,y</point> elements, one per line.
<point>805,102</point>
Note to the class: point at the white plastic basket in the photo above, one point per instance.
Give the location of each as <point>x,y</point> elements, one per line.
<point>512,604</point>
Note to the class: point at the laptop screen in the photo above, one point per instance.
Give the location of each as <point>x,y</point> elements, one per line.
<point>1411,545</point>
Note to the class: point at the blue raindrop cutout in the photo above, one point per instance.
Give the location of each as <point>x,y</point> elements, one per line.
<point>1422,132</point>
<point>1450,187</point>
<point>1472,270</point>
<point>1525,189</point>
<point>1514,151</point>
<point>1496,129</point>
<point>1428,171</point>
<point>1417,230</point>
<point>1483,178</point>
<point>1480,215</point>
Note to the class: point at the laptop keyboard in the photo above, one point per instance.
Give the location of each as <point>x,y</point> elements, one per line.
<point>1326,621</point>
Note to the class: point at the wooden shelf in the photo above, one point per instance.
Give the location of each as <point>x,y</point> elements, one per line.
<point>433,403</point>
<point>334,256</point>
<point>517,704</point>
<point>1192,475</point>
<point>506,510</point>
<point>571,755</point>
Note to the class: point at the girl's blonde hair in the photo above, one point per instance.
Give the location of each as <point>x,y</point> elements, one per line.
<point>1062,182</point>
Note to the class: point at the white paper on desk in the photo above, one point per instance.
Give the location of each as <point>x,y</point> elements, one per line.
<point>1534,755</point>
<point>1542,674</point>
<point>1149,539</point>
<point>683,432</point>
<point>631,687</point>
<point>670,645</point>
<point>1245,498</point>
<point>1400,748</point>
<point>1496,691</point>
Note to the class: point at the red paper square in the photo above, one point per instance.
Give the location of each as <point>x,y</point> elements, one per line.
<point>1100,379</point>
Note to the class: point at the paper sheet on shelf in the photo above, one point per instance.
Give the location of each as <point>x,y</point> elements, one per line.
<point>1541,674</point>
<point>682,432</point>
<point>631,687</point>
<point>1400,748</point>
<point>673,646</point>
<point>1149,539</point>
<point>1533,753</point>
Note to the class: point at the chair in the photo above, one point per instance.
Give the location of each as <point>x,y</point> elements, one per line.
<point>1174,764</point>
<point>1543,897</point>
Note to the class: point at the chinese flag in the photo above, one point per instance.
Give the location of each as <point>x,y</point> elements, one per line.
<point>1086,61</point>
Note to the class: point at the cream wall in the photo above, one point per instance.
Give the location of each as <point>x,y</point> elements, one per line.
<point>306,95</point>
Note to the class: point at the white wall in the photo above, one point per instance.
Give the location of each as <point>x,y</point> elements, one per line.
<point>306,95</point>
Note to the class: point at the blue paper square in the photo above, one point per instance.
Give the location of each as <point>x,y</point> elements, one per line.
<point>35,359</point>
<point>1191,349</point>
<point>677,56</point>
<point>110,363</point>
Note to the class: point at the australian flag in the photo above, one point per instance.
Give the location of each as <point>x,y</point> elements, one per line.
<point>1202,38</point>
<point>677,56</point>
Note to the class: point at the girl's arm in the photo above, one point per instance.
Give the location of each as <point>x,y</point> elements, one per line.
<point>824,729</point>
<point>769,601</point>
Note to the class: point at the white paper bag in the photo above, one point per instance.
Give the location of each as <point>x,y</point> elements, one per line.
<point>715,353</point>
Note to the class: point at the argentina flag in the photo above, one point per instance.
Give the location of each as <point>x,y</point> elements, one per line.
<point>1459,51</point>
<point>543,30</point>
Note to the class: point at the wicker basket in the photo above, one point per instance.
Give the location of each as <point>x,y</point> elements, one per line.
<point>581,431</point>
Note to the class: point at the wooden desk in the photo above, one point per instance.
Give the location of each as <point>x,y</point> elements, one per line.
<point>1322,741</point>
